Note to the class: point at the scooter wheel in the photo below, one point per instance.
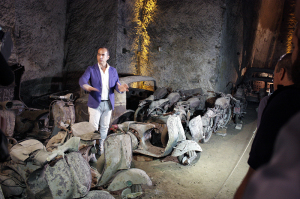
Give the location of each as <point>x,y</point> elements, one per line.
<point>227,116</point>
<point>237,119</point>
<point>140,114</point>
<point>207,131</point>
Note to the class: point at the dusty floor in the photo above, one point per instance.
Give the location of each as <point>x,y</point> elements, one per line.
<point>216,175</point>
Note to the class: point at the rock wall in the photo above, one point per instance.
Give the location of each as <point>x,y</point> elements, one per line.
<point>38,33</point>
<point>267,31</point>
<point>180,45</point>
<point>191,44</point>
<point>126,34</point>
<point>183,44</point>
<point>176,42</point>
<point>285,33</point>
<point>91,24</point>
<point>230,58</point>
<point>190,41</point>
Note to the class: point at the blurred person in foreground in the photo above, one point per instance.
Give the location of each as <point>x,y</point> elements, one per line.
<point>281,106</point>
<point>280,178</point>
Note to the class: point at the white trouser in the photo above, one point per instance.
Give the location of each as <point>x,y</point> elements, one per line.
<point>101,114</point>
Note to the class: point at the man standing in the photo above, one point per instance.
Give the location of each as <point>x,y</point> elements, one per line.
<point>104,80</point>
<point>281,106</point>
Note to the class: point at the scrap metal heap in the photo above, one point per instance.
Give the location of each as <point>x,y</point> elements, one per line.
<point>51,156</point>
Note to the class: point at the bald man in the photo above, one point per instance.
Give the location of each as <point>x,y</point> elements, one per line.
<point>103,80</point>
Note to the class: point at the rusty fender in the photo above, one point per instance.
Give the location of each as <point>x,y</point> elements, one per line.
<point>143,133</point>
<point>128,178</point>
<point>118,156</point>
<point>196,128</point>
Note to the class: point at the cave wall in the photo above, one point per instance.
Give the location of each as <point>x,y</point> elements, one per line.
<point>183,44</point>
<point>177,42</point>
<point>189,34</point>
<point>91,24</point>
<point>229,66</point>
<point>126,26</point>
<point>267,32</point>
<point>191,43</point>
<point>285,32</point>
<point>38,33</point>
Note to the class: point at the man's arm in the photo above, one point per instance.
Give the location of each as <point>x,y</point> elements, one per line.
<point>241,189</point>
<point>89,88</point>
<point>83,81</point>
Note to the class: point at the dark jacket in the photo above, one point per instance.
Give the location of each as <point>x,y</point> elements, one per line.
<point>282,105</point>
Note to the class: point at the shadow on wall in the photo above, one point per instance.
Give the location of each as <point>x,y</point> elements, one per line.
<point>33,91</point>
<point>71,80</point>
<point>250,23</point>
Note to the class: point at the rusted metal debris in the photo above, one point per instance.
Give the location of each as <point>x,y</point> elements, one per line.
<point>162,123</point>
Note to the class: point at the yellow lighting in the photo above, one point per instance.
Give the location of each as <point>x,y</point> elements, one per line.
<point>291,26</point>
<point>144,11</point>
<point>142,85</point>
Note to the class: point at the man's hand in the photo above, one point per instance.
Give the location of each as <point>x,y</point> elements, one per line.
<point>89,89</point>
<point>123,87</point>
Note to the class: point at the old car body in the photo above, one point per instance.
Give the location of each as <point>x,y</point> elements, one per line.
<point>257,82</point>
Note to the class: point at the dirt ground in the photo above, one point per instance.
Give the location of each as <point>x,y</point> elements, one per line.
<point>222,166</point>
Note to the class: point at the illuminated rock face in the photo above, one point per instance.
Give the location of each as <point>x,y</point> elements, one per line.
<point>182,44</point>
<point>177,42</point>
<point>182,40</point>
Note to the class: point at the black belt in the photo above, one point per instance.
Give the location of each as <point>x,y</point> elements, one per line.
<point>104,100</point>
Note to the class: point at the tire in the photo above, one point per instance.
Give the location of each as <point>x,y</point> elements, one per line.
<point>140,114</point>
<point>156,110</point>
<point>127,116</point>
<point>207,130</point>
<point>198,153</point>
<point>245,105</point>
<point>228,117</point>
<point>237,119</point>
